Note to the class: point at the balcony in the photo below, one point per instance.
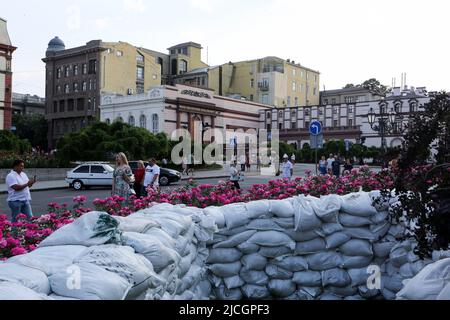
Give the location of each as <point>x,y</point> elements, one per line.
<point>263,86</point>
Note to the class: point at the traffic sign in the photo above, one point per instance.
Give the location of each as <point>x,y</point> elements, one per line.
<point>317,141</point>
<point>315,128</point>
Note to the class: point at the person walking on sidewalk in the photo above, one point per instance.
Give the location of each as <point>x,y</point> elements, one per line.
<point>234,175</point>
<point>123,178</point>
<point>19,195</point>
<point>330,161</point>
<point>242,162</point>
<point>184,165</point>
<point>287,169</point>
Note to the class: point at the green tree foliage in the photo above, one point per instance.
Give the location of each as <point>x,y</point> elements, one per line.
<point>32,128</point>
<point>100,141</point>
<point>11,143</point>
<point>373,85</point>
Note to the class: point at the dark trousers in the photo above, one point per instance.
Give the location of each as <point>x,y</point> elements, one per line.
<point>236,185</point>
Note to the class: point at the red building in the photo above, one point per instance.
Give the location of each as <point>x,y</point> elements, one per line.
<point>6,51</point>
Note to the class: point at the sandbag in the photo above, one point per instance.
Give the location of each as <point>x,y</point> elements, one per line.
<point>172,227</point>
<point>383,249</point>
<point>28,277</point>
<point>235,215</point>
<point>336,278</point>
<point>358,204</point>
<point>228,255</point>
<point>367,293</point>
<point>257,209</point>
<point>192,278</point>
<point>308,278</point>
<point>358,276</point>
<point>235,240</point>
<point>310,293</point>
<point>300,236</point>
<point>330,228</point>
<point>356,247</point>
<point>254,262</point>
<point>95,283</point>
<point>272,239</point>
<point>60,298</point>
<point>163,236</point>
<point>351,221</point>
<point>264,225</point>
<point>356,262</point>
<point>232,232</point>
<point>291,263</point>
<point>275,272</point>
<point>380,230</point>
<point>324,261</point>
<point>91,229</point>
<point>380,217</point>
<point>12,291</point>
<point>445,293</point>
<point>305,217</point>
<point>397,231</point>
<point>285,223</point>
<point>281,288</point>
<point>136,224</point>
<point>233,282</point>
<point>258,278</point>
<point>343,292</point>
<point>361,233</point>
<point>253,292</point>
<point>399,254</point>
<point>329,297</point>
<point>226,270</point>
<point>327,207</point>
<point>312,246</point>
<point>281,208</point>
<point>248,248</point>
<point>222,293</point>
<point>217,215</point>
<point>273,252</point>
<point>336,240</point>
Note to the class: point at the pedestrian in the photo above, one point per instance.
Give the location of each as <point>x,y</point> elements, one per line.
<point>19,196</point>
<point>348,167</point>
<point>330,161</point>
<point>234,175</point>
<point>323,166</point>
<point>287,169</point>
<point>123,178</point>
<point>336,167</point>
<point>139,178</point>
<point>164,162</point>
<point>247,162</point>
<point>258,163</point>
<point>184,165</point>
<point>293,159</point>
<point>242,162</point>
<point>191,164</point>
<point>152,173</point>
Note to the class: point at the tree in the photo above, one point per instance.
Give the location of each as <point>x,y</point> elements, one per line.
<point>375,87</point>
<point>348,86</point>
<point>32,128</point>
<point>11,143</point>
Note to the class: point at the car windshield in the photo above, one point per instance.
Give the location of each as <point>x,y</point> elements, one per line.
<point>109,168</point>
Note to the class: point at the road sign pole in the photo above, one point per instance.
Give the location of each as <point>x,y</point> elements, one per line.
<point>317,173</point>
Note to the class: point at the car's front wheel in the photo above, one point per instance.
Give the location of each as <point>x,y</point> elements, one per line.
<point>164,181</point>
<point>77,185</point>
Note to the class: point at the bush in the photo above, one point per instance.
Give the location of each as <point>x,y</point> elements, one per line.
<point>10,142</point>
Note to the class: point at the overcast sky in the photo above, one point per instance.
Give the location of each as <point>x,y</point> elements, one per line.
<point>348,41</point>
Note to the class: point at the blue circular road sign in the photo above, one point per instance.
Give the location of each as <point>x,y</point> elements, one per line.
<point>315,128</point>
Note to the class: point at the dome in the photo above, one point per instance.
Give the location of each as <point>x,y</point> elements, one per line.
<point>56,44</point>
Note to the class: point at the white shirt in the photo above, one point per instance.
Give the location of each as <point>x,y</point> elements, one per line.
<point>330,163</point>
<point>234,174</point>
<point>12,179</point>
<point>150,173</point>
<point>286,169</point>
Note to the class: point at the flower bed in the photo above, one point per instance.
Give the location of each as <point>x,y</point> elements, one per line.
<point>23,236</point>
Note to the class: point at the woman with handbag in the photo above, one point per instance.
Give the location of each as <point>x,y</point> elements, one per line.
<point>234,175</point>
<point>122,178</point>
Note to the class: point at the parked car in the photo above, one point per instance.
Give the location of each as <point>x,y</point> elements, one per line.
<point>166,177</point>
<point>90,174</point>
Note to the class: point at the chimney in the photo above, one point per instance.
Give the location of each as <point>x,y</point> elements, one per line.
<point>220,81</point>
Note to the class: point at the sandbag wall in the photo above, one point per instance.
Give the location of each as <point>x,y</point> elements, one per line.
<point>157,253</point>
<point>309,248</point>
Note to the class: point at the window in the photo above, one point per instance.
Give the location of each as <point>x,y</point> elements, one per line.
<point>289,101</point>
<point>119,119</point>
<point>307,75</point>
<point>294,125</point>
<point>315,91</point>
<point>84,86</point>
<point>58,73</point>
<point>183,66</point>
<point>335,110</point>
<point>93,66</point>
<point>66,72</point>
<point>307,124</point>
<point>94,103</point>
<point>89,104</point>
<point>8,65</point>
<point>139,58</point>
<point>294,72</point>
<point>80,104</point>
<point>300,88</point>
<point>143,122</point>
<point>62,106</point>
<point>184,51</point>
<point>75,70</point>
<point>90,85</point>
<point>294,86</point>
<point>315,78</point>
<point>75,87</point>
<point>252,83</point>
<point>82,169</point>
<point>66,88</point>
<point>350,122</point>
<point>140,87</point>
<point>307,112</point>
<point>301,74</point>
<point>280,114</point>
<point>320,111</point>
<point>398,107</point>
<point>108,121</point>
<point>131,121</point>
<point>84,71</point>
<point>333,101</point>
<point>325,101</point>
<point>155,123</point>
<point>265,99</point>
<point>97,169</point>
<point>413,107</point>
<point>296,102</point>
<point>350,109</point>
<point>58,88</point>
<point>251,97</point>
<point>280,126</point>
<point>335,123</point>
<point>140,73</point>
<point>55,107</point>
<point>119,53</point>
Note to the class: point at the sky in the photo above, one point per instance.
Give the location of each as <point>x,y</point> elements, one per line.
<point>348,41</point>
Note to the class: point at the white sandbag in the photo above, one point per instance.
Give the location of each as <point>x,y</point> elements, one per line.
<point>204,228</point>
<point>91,229</point>
<point>390,269</point>
<point>281,208</point>
<point>380,217</point>
<point>216,239</point>
<point>412,257</point>
<point>264,225</point>
<point>184,265</point>
<point>185,296</point>
<point>354,298</point>
<point>254,262</point>
<point>312,246</point>
<point>336,278</point>
<point>285,223</point>
<point>380,230</point>
<point>383,249</point>
<point>11,291</point>
<point>291,263</point>
<point>351,221</point>
<point>258,209</point>
<point>123,261</point>
<point>324,261</point>
<point>308,278</point>
<point>217,215</point>
<point>336,240</point>
<point>235,215</point>
<point>235,240</point>
<point>417,266</point>
<point>397,231</point>
<point>281,288</point>
<point>399,255</point>
<point>330,228</point>
<point>233,282</point>
<point>28,277</point>
<point>154,250</point>
<point>305,217</point>
<point>358,204</point>
<point>311,292</point>
<point>358,276</point>
<point>60,298</point>
<point>360,233</point>
<point>275,272</point>
<point>445,293</point>
<point>248,248</point>
<point>300,236</point>
<point>273,252</point>
<point>367,293</point>
<point>225,255</point>
<point>255,292</point>
<point>343,292</point>
<point>327,207</point>
<point>222,293</point>
<point>429,283</point>
<point>232,232</point>
<point>226,270</point>
<point>440,255</point>
<point>162,236</point>
<point>163,216</point>
<point>387,294</point>
<point>329,297</point>
<point>89,282</point>
<point>139,225</point>
<point>215,281</point>
<point>258,278</point>
<point>272,239</point>
<point>203,290</point>
<point>356,262</point>
<point>406,271</point>
<point>49,259</point>
<point>172,227</point>
<point>192,278</point>
<point>357,247</point>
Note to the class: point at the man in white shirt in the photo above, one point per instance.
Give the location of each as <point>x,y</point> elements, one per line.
<point>330,161</point>
<point>19,196</point>
<point>152,173</point>
<point>287,168</point>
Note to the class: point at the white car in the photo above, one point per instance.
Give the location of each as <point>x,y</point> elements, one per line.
<point>90,175</point>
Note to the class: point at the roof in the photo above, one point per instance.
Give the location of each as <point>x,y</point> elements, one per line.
<point>187,44</point>
<point>4,36</point>
<point>346,90</point>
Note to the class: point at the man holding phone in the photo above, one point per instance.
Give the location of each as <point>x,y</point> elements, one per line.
<point>19,195</point>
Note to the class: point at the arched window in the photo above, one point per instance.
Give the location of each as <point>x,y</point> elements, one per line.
<point>413,107</point>
<point>143,122</point>
<point>108,121</point>
<point>119,119</point>
<point>131,121</point>
<point>398,107</point>
<point>155,123</point>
